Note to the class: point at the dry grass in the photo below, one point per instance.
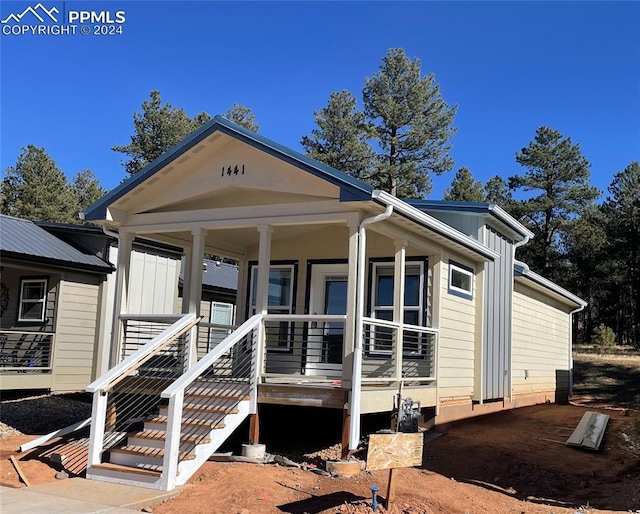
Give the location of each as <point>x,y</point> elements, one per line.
<point>610,378</point>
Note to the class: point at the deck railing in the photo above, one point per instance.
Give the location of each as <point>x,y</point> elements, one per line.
<point>25,352</point>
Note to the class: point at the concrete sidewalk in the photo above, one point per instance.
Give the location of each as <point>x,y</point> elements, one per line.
<point>79,496</point>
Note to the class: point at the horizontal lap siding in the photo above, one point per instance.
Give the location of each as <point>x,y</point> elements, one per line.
<point>76,332</point>
<point>456,340</point>
<point>541,331</point>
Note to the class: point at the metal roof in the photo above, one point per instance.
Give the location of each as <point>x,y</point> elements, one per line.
<point>215,274</point>
<point>20,238</point>
<point>521,269</point>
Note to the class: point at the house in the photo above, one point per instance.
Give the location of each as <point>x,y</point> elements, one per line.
<point>346,296</point>
<point>56,284</point>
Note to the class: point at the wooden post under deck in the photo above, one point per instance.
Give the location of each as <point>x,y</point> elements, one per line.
<point>254,428</point>
<point>346,426</point>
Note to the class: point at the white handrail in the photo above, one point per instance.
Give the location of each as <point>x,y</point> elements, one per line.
<point>305,317</point>
<point>169,318</point>
<point>394,324</point>
<point>130,362</point>
<point>181,383</point>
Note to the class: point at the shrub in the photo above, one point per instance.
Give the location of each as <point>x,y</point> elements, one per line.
<point>603,337</point>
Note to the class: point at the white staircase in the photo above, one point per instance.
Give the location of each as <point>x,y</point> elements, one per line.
<point>174,432</point>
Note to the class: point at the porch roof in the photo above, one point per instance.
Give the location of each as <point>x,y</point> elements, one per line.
<point>23,239</point>
<point>351,189</point>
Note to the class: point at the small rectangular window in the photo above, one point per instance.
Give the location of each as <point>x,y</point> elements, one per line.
<point>460,280</point>
<point>33,299</point>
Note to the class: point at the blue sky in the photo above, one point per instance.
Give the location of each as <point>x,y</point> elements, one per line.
<point>510,66</point>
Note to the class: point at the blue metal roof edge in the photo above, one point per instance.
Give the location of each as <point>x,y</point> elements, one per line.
<point>521,269</point>
<point>351,189</point>
<point>477,208</point>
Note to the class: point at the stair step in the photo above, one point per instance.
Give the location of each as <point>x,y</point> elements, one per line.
<point>187,408</point>
<point>147,470</point>
<point>160,435</point>
<point>190,422</point>
<point>219,390</point>
<point>145,451</point>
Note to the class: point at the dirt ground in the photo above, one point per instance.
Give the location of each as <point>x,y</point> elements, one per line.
<point>510,462</point>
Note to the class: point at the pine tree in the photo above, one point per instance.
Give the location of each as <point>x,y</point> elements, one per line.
<point>497,191</point>
<point>341,137</point>
<point>243,116</point>
<point>37,190</point>
<point>413,126</point>
<point>464,188</point>
<point>86,189</point>
<point>156,129</point>
<point>557,179</point>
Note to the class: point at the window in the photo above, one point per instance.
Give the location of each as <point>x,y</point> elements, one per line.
<point>280,294</point>
<point>33,299</point>
<point>460,280</point>
<point>382,303</point>
<point>221,314</point>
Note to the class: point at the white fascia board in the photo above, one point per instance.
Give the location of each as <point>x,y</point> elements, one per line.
<point>522,270</point>
<point>506,218</point>
<point>424,219</point>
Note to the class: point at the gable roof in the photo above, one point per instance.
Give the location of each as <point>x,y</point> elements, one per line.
<point>490,209</point>
<point>23,239</point>
<point>351,189</point>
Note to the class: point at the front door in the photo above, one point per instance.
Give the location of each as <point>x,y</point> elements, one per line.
<point>328,296</point>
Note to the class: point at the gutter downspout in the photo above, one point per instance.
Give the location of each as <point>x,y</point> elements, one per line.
<point>111,357</point>
<point>356,379</point>
<point>516,245</point>
<point>571,313</point>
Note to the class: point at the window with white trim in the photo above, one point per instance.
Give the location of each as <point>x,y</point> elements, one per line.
<point>222,313</point>
<point>33,299</point>
<point>460,280</point>
<point>382,301</point>
<point>280,301</point>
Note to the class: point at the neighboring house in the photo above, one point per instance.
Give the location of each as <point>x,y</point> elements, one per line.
<point>57,290</point>
<point>51,310</point>
<point>346,296</point>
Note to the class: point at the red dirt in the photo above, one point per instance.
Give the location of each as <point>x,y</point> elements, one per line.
<point>510,462</point>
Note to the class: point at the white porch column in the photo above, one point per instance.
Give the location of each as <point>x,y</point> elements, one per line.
<point>350,323</point>
<point>398,303</point>
<point>186,279</point>
<point>195,291</point>
<point>264,262</point>
<point>121,294</point>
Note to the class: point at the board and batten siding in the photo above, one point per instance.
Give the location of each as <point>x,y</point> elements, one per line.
<point>496,347</point>
<point>457,326</point>
<point>76,340</point>
<point>541,331</point>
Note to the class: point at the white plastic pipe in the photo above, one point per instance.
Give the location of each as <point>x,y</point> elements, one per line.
<point>356,379</point>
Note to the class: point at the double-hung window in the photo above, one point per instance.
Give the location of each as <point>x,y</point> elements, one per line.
<point>281,293</point>
<point>382,303</point>
<point>33,299</point>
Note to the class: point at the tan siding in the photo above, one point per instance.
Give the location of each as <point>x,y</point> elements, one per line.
<point>541,334</point>
<point>76,332</point>
<point>456,350</point>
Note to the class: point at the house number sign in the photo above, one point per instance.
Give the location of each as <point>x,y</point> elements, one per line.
<point>235,170</point>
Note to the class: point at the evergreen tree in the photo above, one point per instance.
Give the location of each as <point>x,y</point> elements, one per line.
<point>37,190</point>
<point>156,129</point>
<point>557,179</point>
<point>86,189</point>
<point>464,188</point>
<point>497,191</point>
<point>413,126</point>
<point>243,116</point>
<point>622,210</point>
<point>341,137</point>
